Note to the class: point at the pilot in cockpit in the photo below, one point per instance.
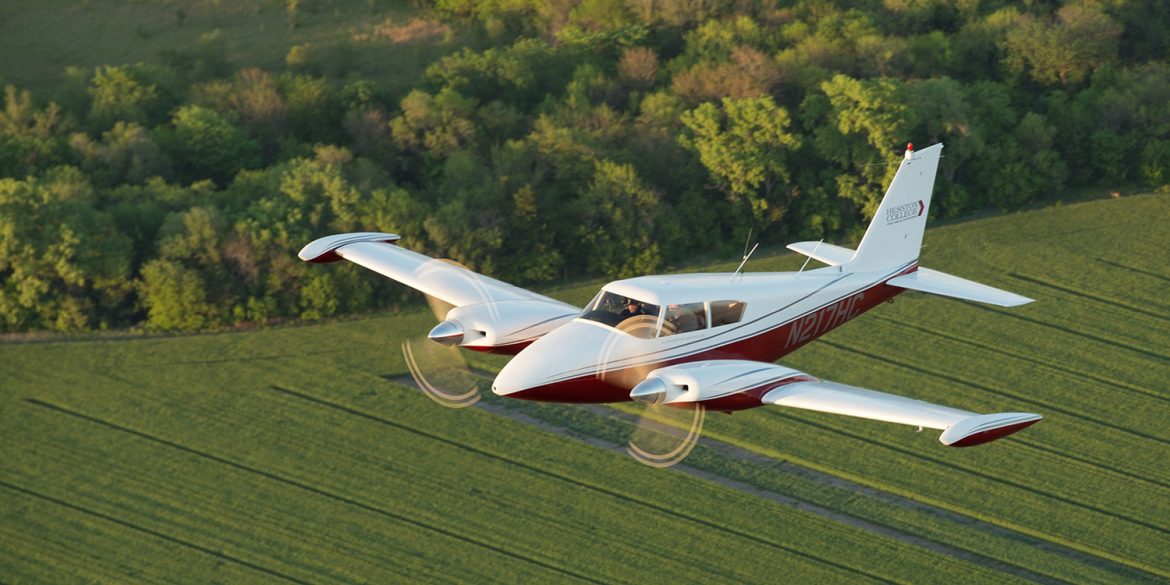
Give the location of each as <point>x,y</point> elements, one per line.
<point>633,309</point>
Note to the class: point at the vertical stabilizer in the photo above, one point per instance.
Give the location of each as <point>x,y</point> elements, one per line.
<point>894,236</point>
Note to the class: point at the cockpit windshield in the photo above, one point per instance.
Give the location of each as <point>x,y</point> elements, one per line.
<point>624,313</point>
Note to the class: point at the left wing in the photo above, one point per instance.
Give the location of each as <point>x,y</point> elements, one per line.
<point>735,384</point>
<point>961,428</point>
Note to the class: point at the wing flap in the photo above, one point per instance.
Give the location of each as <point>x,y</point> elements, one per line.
<point>947,285</point>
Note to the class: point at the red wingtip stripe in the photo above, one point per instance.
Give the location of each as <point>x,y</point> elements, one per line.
<point>992,434</point>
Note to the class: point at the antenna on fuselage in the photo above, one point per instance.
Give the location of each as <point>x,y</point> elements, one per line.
<point>810,256</point>
<point>746,254</point>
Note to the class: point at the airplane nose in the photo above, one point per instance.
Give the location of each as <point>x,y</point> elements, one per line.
<point>512,378</point>
<point>570,352</point>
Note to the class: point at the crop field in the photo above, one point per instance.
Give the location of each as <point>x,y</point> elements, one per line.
<point>295,454</point>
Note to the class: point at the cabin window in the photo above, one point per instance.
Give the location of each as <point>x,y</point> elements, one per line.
<point>624,313</point>
<point>726,312</point>
<point>683,318</point>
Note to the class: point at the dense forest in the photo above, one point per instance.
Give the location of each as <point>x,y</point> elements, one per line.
<point>551,140</point>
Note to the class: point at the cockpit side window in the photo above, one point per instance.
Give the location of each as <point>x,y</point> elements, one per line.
<point>726,312</point>
<point>625,313</point>
<point>683,318</point>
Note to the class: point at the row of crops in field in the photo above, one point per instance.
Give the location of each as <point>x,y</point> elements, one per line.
<point>291,454</point>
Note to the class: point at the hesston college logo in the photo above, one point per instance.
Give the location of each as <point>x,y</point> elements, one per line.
<point>904,212</point>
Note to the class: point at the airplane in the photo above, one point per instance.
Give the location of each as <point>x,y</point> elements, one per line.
<point>695,342</point>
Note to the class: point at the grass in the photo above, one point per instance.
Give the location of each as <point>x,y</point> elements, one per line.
<point>286,454</point>
<point>51,35</point>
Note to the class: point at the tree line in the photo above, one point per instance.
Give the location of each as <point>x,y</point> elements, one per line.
<point>556,140</point>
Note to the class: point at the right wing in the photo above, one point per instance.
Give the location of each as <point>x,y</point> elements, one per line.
<point>488,315</point>
<point>451,283</point>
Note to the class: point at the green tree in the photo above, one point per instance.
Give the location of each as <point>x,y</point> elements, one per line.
<point>522,74</point>
<point>139,211</point>
<point>313,111</point>
<point>291,204</point>
<point>977,45</point>
<point>208,145</point>
<point>121,93</point>
<point>175,297</point>
<point>125,154</point>
<point>63,265</point>
<point>1155,165</point>
<point>859,124</point>
<point>31,138</point>
<point>746,73</point>
<point>946,115</point>
<point>716,39</point>
<point>252,96</point>
<point>438,125</point>
<point>1029,165</point>
<point>528,241</point>
<point>623,224</point>
<point>745,145</point>
<point>618,222</point>
<point>1066,50</point>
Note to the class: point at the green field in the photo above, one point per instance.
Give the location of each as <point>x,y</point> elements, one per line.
<point>51,35</point>
<point>290,454</point>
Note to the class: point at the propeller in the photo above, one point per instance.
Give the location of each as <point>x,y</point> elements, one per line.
<point>435,361</point>
<point>659,440</point>
<point>663,434</point>
<point>441,373</point>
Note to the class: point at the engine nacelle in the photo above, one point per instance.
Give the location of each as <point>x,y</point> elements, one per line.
<point>723,385</point>
<point>504,327</point>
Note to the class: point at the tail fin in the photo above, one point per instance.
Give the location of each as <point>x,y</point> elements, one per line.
<point>894,236</point>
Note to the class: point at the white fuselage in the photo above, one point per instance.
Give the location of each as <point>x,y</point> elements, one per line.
<point>588,361</point>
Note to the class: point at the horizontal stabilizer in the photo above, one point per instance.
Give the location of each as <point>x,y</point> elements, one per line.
<point>941,283</point>
<point>822,252</point>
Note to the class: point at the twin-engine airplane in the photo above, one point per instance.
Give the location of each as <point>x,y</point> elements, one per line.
<point>695,341</point>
